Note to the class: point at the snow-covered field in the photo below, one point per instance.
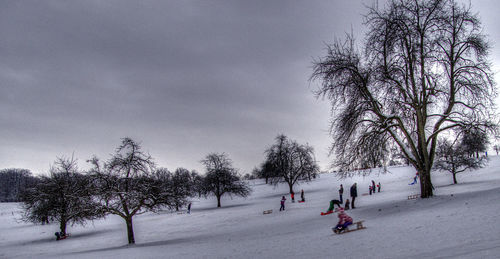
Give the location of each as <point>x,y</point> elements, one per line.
<point>460,221</point>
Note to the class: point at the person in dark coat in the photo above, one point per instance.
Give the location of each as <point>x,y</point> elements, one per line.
<point>370,189</point>
<point>354,194</point>
<point>373,187</point>
<point>378,186</point>
<point>189,208</point>
<point>282,203</point>
<point>341,192</point>
<point>302,198</point>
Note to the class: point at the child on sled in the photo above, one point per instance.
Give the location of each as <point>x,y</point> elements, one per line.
<point>344,221</point>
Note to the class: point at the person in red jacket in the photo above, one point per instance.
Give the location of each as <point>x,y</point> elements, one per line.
<point>344,221</point>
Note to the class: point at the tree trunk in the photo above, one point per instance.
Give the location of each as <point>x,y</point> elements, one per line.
<point>218,201</point>
<point>425,184</point>
<point>130,230</point>
<point>454,178</point>
<point>291,188</point>
<point>62,226</point>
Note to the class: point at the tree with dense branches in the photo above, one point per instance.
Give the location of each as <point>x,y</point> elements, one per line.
<point>289,161</point>
<point>452,157</point>
<point>65,196</point>
<point>128,184</point>
<point>423,72</point>
<point>222,178</point>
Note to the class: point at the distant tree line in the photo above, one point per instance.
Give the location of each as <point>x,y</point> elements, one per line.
<point>127,184</point>
<point>14,182</point>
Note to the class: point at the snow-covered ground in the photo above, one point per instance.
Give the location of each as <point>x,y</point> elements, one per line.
<point>460,221</point>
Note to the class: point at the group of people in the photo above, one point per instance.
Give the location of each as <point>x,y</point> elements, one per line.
<point>292,195</point>
<point>373,188</point>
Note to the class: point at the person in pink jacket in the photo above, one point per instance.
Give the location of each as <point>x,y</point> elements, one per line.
<point>344,221</point>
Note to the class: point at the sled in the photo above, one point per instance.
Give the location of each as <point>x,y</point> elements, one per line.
<point>359,226</point>
<point>301,201</point>
<point>413,196</point>
<point>267,212</point>
<point>326,213</point>
<point>64,237</point>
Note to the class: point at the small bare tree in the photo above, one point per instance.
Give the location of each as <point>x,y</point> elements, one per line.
<point>222,178</point>
<point>452,157</point>
<point>290,162</point>
<point>65,197</point>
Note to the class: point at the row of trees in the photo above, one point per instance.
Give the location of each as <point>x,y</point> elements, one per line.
<point>13,182</point>
<point>126,185</point>
<point>129,184</point>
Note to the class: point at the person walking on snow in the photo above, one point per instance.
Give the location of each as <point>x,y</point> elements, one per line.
<point>354,194</point>
<point>344,221</point>
<point>302,195</point>
<point>414,179</point>
<point>373,187</point>
<point>378,186</point>
<point>282,203</point>
<point>189,208</point>
<point>341,191</point>
<point>293,196</point>
<point>370,189</point>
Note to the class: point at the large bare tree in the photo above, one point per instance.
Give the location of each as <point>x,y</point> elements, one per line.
<point>422,71</point>
<point>128,184</point>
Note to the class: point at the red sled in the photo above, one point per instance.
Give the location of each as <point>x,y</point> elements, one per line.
<point>301,201</point>
<point>326,213</point>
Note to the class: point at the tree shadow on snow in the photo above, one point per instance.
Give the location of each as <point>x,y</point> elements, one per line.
<point>221,208</point>
<point>151,244</point>
<point>52,238</point>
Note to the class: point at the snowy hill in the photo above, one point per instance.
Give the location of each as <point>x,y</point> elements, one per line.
<point>460,221</point>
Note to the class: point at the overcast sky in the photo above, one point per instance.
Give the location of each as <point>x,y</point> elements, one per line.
<point>184,78</point>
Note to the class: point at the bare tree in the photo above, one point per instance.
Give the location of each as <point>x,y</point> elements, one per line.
<point>452,157</point>
<point>128,185</point>
<point>290,162</point>
<point>423,71</point>
<point>222,178</point>
<point>65,197</point>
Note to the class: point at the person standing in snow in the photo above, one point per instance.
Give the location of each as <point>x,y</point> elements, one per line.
<point>341,191</point>
<point>189,208</point>
<point>378,186</point>
<point>354,194</point>
<point>373,187</point>
<point>302,195</point>
<point>347,203</point>
<point>370,189</point>
<point>293,196</point>
<point>344,221</point>
<point>282,203</point>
